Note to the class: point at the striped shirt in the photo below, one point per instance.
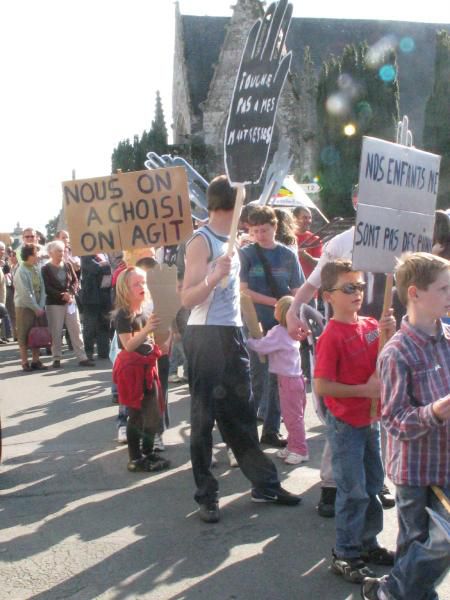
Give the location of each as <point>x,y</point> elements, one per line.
<point>414,370</point>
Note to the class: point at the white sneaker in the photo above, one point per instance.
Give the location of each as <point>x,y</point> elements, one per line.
<point>295,459</point>
<point>283,453</point>
<point>231,458</point>
<point>122,435</point>
<point>158,444</point>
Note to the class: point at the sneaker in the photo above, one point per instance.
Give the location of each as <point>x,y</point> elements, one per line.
<point>353,570</point>
<point>370,587</point>
<point>379,556</point>
<point>282,453</point>
<point>209,513</point>
<point>295,459</point>
<point>158,444</point>
<point>56,364</point>
<point>148,464</point>
<point>280,496</point>
<point>174,378</point>
<point>386,498</point>
<point>325,508</point>
<point>122,434</point>
<point>273,438</point>
<point>231,458</point>
<point>88,362</point>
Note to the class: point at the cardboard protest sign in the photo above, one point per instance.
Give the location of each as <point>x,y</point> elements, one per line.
<point>257,89</point>
<point>162,283</point>
<point>127,210</point>
<point>6,239</point>
<point>396,204</point>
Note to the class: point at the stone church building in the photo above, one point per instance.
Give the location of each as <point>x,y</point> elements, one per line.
<point>207,57</point>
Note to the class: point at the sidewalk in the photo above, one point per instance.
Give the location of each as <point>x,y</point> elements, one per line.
<point>74,523</point>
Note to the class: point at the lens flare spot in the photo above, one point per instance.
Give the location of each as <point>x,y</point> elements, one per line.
<point>337,104</point>
<point>407,45</point>
<point>349,130</point>
<point>387,73</point>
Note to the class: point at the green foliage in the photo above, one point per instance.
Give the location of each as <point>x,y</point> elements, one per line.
<point>51,228</point>
<point>129,156</point>
<point>436,133</point>
<point>351,92</point>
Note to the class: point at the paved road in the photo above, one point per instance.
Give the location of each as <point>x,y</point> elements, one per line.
<point>75,524</point>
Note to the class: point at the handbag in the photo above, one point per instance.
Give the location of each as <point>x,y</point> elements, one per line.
<point>39,335</point>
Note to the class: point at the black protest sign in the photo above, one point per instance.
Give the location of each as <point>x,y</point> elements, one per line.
<point>257,89</point>
<point>127,211</point>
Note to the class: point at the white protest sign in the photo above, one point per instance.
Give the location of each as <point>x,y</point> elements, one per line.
<point>396,204</point>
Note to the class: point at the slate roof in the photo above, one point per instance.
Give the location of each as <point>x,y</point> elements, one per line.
<point>204,37</point>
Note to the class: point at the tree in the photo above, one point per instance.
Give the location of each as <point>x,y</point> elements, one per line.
<point>129,156</point>
<point>51,228</point>
<point>436,133</point>
<point>356,96</point>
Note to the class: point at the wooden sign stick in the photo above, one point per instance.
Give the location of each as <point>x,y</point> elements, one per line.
<point>387,303</point>
<point>442,497</point>
<point>240,196</point>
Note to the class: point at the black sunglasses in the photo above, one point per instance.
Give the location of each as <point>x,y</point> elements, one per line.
<point>350,288</point>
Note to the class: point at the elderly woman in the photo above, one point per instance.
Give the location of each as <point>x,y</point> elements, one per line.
<point>61,284</point>
<point>29,299</point>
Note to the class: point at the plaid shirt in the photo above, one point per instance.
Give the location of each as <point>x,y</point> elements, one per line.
<point>415,371</point>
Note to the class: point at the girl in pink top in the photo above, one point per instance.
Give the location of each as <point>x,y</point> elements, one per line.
<point>284,360</point>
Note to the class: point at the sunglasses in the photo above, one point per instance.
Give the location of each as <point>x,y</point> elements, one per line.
<point>350,288</point>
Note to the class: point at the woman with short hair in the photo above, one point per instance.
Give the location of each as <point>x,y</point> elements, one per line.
<point>61,285</point>
<point>29,300</point>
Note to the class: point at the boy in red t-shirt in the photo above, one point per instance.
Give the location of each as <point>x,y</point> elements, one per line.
<point>346,379</point>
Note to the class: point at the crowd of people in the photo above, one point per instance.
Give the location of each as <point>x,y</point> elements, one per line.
<point>279,264</point>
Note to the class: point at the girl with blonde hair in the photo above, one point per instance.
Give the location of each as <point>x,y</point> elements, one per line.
<point>135,370</point>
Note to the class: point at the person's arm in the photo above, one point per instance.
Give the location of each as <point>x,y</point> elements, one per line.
<point>297,329</point>
<point>304,255</point>
<point>402,419</point>
<point>370,389</point>
<point>267,344</point>
<point>132,341</point>
<point>197,284</point>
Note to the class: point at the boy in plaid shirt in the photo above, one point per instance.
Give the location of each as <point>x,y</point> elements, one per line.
<point>414,369</point>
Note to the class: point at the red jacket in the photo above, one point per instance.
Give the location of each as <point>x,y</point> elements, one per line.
<point>130,371</point>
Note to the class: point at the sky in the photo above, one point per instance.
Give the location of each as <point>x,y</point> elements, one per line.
<point>78,76</point>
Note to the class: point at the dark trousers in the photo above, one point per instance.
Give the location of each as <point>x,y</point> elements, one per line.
<point>96,325</point>
<point>219,383</point>
<point>141,428</point>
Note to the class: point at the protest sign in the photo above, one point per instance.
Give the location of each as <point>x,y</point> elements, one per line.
<point>262,73</point>
<point>396,204</point>
<point>127,210</point>
<point>162,283</point>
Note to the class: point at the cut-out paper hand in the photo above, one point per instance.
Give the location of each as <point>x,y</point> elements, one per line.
<point>258,86</point>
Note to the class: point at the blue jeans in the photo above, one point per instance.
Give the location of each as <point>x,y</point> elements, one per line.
<point>177,359</point>
<point>423,553</point>
<point>359,475</point>
<point>265,393</point>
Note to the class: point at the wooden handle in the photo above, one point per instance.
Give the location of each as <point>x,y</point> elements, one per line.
<point>387,303</point>
<point>442,497</point>
<point>240,195</point>
<point>251,320</point>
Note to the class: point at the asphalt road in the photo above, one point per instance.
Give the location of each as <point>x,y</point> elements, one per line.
<point>74,523</point>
